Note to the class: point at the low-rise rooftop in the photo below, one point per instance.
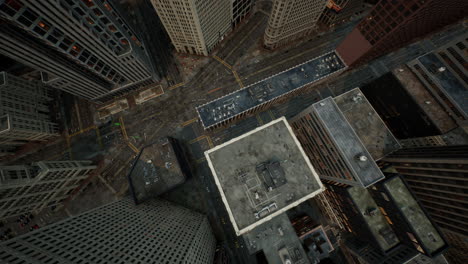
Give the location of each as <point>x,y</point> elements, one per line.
<point>158,168</point>
<point>367,124</point>
<point>262,92</point>
<point>278,241</point>
<point>261,174</point>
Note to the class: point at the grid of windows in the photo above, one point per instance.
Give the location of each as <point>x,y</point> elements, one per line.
<point>154,232</point>
<point>195,26</point>
<point>290,20</point>
<point>89,34</point>
<point>27,188</point>
<point>394,23</point>
<point>24,111</point>
<point>438,176</point>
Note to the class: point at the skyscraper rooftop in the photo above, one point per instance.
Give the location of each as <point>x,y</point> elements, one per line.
<point>261,174</point>
<point>367,124</point>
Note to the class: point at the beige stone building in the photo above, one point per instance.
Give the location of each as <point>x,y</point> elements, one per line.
<point>292,19</point>
<point>195,26</point>
<point>28,188</point>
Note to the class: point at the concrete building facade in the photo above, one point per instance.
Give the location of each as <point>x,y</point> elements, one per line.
<point>195,26</point>
<point>438,176</point>
<point>84,47</point>
<point>291,20</point>
<point>24,111</point>
<point>27,188</point>
<point>393,24</point>
<point>120,232</point>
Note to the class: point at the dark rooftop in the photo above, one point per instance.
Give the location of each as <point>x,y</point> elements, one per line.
<point>158,168</point>
<point>261,174</point>
<point>367,124</point>
<point>274,237</point>
<point>264,91</point>
<point>342,133</point>
<point>318,244</point>
<point>373,218</point>
<point>415,216</point>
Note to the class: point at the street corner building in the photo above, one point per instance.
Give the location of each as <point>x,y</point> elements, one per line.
<point>262,174</point>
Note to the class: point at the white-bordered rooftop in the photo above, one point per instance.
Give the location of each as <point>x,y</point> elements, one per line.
<point>262,174</point>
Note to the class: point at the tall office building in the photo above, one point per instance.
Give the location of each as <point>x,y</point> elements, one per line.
<point>340,11</point>
<point>83,47</point>
<point>240,9</point>
<point>24,112</point>
<point>144,19</point>
<point>393,24</point>
<point>27,188</point>
<point>444,75</point>
<point>120,232</point>
<point>343,137</point>
<point>438,176</point>
<point>387,222</point>
<point>291,20</point>
<point>195,26</point>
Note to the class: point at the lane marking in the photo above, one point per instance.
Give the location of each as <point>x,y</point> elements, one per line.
<point>238,79</point>
<point>214,90</point>
<point>186,123</point>
<point>176,85</point>
<point>133,147</point>
<point>122,127</point>
<point>222,62</point>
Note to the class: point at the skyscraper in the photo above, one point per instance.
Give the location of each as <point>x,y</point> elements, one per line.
<point>144,19</point>
<point>291,20</point>
<point>240,9</point>
<point>387,222</point>
<point>340,11</point>
<point>83,47</point>
<point>120,232</point>
<point>438,176</point>
<point>24,111</point>
<point>27,188</point>
<point>343,137</point>
<point>195,26</point>
<point>394,23</point>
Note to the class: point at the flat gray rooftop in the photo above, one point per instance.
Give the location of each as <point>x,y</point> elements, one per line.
<point>262,92</point>
<point>367,124</point>
<point>261,174</point>
<point>275,237</point>
<point>373,217</point>
<point>414,215</point>
<point>348,142</point>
